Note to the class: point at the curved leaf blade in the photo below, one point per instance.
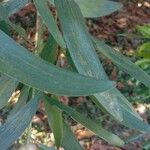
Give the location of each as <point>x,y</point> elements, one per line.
<point>14,126</point>
<point>77,38</point>
<point>48,19</point>
<point>9,7</point>
<point>54,115</point>
<point>69,141</point>
<point>49,50</point>
<point>131,121</point>
<point>55,121</point>
<point>31,70</point>
<point>18,29</point>
<point>115,100</point>
<point>130,118</point>
<point>97,8</point>
<point>83,52</point>
<point>90,124</point>
<point>123,63</point>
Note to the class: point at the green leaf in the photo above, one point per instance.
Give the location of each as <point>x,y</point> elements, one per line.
<point>144,30</point>
<point>144,50</point>
<point>83,52</point>
<point>11,6</point>
<point>131,121</point>
<point>55,120</point>
<point>21,101</point>
<point>18,29</point>
<point>7,87</point>
<point>69,141</point>
<point>88,123</point>
<point>123,63</point>
<point>96,8</point>
<point>31,70</point>
<point>78,45</point>
<point>61,131</point>
<point>48,19</point>
<point>9,25</point>
<point>77,38</point>
<point>123,102</point>
<point>54,114</point>
<point>14,126</point>
<point>49,51</point>
<point>146,145</point>
<point>4,27</point>
<point>39,40</point>
<point>143,62</point>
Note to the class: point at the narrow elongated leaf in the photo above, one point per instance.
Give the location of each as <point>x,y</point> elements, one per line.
<point>14,127</point>
<point>96,8</point>
<point>48,19</point>
<point>55,120</point>
<point>131,121</point>
<point>49,51</point>
<point>90,124</point>
<point>54,115</point>
<point>123,63</point>
<point>29,69</point>
<point>69,141</point>
<point>83,52</point>
<point>9,25</point>
<point>15,27</point>
<point>125,103</point>
<point>11,6</point>
<point>18,29</point>
<point>7,87</point>
<point>130,117</point>
<point>122,101</point>
<point>76,39</point>
<point>4,27</point>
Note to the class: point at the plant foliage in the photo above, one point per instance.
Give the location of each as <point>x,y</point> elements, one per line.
<point>41,79</point>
